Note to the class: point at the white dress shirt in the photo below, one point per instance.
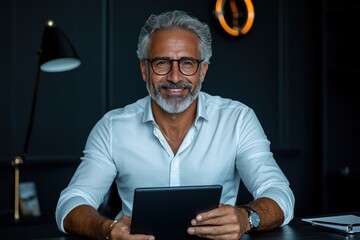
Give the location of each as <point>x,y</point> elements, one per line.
<point>225,144</point>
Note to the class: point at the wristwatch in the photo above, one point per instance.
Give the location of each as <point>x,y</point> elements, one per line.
<point>254,218</point>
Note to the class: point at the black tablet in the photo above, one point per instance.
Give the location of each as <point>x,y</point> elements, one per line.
<point>166,212</point>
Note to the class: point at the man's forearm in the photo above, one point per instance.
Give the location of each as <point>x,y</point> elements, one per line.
<point>271,214</point>
<point>84,220</point>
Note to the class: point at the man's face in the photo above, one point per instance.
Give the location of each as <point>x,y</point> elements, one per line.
<point>174,91</point>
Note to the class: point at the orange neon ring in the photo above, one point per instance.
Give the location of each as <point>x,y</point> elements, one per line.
<point>235,31</point>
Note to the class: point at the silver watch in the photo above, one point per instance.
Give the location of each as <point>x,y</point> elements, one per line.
<point>254,218</point>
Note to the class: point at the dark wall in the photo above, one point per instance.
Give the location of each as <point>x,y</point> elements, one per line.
<point>276,69</point>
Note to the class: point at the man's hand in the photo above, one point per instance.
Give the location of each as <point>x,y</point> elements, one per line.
<point>225,222</point>
<point>121,231</point>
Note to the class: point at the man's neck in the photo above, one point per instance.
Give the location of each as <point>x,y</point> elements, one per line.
<point>174,126</point>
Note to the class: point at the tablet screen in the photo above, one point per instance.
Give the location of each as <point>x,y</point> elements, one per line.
<point>166,212</point>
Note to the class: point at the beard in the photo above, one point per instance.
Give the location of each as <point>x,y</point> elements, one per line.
<point>174,104</point>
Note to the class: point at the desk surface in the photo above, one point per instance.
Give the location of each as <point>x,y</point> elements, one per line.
<point>295,230</point>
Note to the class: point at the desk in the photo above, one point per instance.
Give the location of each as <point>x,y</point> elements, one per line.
<point>295,230</point>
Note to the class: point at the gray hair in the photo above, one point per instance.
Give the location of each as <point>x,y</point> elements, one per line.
<point>175,19</point>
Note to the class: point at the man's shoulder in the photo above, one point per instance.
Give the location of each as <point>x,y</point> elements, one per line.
<point>215,101</point>
<point>130,110</point>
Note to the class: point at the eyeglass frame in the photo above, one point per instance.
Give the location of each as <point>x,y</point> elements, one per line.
<point>171,65</point>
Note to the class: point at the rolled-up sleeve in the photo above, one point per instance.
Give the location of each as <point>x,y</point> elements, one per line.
<point>93,177</point>
<point>258,169</point>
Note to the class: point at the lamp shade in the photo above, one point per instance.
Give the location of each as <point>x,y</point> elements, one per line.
<point>57,54</point>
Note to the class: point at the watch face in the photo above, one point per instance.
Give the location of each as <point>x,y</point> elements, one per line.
<point>255,219</point>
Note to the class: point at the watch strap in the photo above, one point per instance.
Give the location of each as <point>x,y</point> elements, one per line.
<point>250,211</point>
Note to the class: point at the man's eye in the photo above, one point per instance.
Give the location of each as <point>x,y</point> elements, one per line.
<point>162,63</point>
<point>188,63</point>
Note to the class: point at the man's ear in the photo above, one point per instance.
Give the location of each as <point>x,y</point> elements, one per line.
<point>203,71</point>
<point>143,69</point>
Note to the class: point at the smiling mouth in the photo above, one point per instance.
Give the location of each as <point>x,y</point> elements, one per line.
<point>174,91</point>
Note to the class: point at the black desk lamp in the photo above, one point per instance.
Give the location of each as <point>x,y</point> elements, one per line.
<point>55,55</point>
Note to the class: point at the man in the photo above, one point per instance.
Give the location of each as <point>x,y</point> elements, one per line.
<point>177,136</point>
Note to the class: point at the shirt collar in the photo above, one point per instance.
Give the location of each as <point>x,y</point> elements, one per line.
<point>201,108</point>
<point>148,115</point>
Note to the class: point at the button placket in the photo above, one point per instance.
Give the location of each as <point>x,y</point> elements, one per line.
<point>175,172</point>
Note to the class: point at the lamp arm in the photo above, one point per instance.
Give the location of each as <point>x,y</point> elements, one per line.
<point>32,113</point>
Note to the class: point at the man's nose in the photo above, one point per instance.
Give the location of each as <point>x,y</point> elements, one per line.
<point>175,73</point>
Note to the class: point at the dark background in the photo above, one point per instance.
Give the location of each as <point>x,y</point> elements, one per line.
<point>297,68</point>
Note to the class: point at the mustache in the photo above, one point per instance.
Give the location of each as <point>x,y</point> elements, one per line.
<point>171,85</point>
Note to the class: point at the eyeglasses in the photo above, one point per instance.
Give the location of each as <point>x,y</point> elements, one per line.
<point>187,66</point>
